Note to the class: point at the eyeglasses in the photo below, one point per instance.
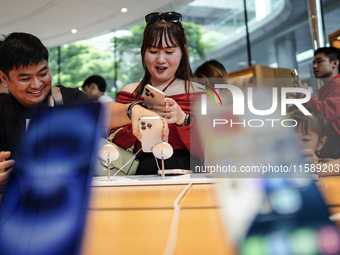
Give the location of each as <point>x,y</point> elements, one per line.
<point>167,16</point>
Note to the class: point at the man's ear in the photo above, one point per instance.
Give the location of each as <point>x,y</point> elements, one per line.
<point>4,79</point>
<point>336,63</point>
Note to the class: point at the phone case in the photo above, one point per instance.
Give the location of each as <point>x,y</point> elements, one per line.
<point>151,131</point>
<point>153,96</point>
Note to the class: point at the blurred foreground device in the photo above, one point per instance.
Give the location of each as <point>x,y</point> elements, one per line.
<point>269,204</point>
<point>44,206</point>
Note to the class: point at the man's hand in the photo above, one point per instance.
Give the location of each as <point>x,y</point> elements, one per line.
<point>299,84</point>
<point>137,112</point>
<point>4,164</point>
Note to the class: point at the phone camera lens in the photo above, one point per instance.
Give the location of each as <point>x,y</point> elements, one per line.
<point>142,123</point>
<point>147,94</point>
<point>143,127</point>
<point>147,90</point>
<point>149,125</point>
<point>152,95</point>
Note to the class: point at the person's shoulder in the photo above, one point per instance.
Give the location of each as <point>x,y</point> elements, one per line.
<point>74,95</point>
<point>105,99</point>
<point>130,88</point>
<point>5,100</point>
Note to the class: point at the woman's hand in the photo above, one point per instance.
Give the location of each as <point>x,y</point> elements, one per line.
<point>171,111</point>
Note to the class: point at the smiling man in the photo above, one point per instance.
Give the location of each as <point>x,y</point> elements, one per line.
<point>25,72</point>
<point>327,68</point>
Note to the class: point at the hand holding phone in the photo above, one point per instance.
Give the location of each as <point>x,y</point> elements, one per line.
<point>150,129</point>
<point>153,96</point>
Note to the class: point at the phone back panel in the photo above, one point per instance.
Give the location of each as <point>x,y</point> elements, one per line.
<point>44,205</point>
<point>151,131</point>
<point>153,96</point>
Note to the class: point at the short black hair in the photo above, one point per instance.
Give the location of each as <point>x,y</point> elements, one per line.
<point>97,79</point>
<point>21,50</point>
<point>331,52</point>
<point>315,122</point>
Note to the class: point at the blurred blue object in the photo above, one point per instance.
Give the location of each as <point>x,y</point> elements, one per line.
<point>44,206</point>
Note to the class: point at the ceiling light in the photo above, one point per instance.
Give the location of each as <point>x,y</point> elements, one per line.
<point>237,31</point>
<point>73,31</point>
<point>123,10</point>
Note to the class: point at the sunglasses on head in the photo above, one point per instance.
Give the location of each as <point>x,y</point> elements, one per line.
<point>167,16</point>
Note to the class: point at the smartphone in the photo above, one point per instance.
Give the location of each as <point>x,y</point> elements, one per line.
<point>294,219</point>
<point>43,209</point>
<point>294,74</point>
<point>153,96</point>
<point>151,131</point>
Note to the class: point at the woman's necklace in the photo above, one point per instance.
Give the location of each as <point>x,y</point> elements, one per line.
<point>167,86</point>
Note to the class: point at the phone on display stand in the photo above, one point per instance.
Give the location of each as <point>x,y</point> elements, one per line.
<point>153,96</point>
<point>151,131</point>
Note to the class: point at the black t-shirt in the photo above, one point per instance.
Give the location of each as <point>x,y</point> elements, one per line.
<point>13,115</point>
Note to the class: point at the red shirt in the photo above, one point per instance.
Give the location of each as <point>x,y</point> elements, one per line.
<point>329,104</point>
<point>179,136</point>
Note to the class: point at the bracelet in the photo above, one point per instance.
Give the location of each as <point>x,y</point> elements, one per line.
<point>129,109</point>
<point>187,120</point>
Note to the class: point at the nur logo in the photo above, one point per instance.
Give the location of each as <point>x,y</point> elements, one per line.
<point>204,97</point>
<point>239,101</point>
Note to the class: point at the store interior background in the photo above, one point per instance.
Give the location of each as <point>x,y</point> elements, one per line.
<point>279,30</point>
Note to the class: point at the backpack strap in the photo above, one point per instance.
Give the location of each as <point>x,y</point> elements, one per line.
<point>55,97</point>
<point>112,136</point>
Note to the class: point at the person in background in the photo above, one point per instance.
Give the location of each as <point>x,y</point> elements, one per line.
<point>210,73</point>
<point>166,64</point>
<point>311,131</point>
<point>326,67</point>
<point>211,69</point>
<point>24,70</point>
<point>95,86</point>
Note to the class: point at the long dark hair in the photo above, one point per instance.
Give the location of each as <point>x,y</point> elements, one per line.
<point>174,34</point>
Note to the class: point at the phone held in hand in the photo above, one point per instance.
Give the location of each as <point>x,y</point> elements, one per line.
<point>151,131</point>
<point>294,74</point>
<point>153,96</point>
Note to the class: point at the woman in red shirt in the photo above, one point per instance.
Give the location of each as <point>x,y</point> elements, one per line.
<point>166,63</point>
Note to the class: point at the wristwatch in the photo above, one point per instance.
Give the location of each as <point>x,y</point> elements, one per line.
<point>187,120</point>
<point>129,109</point>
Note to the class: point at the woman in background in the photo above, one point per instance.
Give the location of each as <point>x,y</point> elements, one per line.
<point>211,69</point>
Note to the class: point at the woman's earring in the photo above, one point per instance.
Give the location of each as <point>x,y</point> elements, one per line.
<point>318,153</point>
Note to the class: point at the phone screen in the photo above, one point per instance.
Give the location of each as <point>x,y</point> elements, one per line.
<point>293,220</point>
<point>44,205</point>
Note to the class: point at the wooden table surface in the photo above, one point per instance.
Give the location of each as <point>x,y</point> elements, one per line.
<point>137,219</point>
